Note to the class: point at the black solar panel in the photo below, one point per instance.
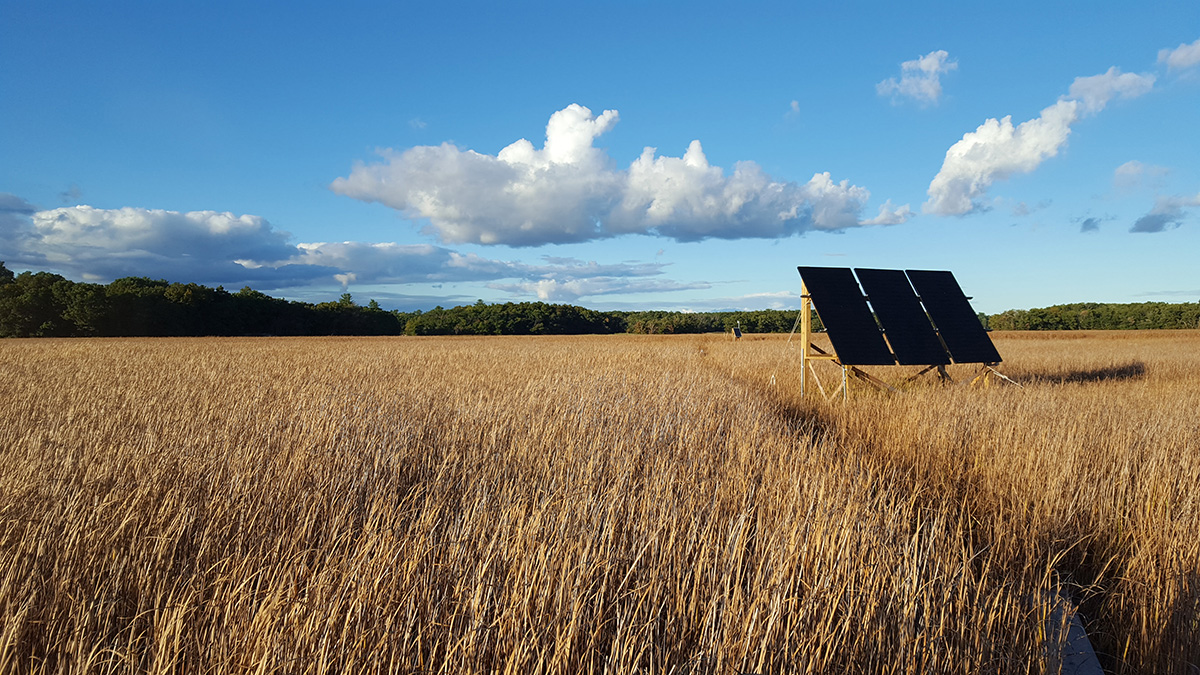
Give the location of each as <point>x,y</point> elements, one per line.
<point>848,320</point>
<point>908,329</point>
<point>957,323</point>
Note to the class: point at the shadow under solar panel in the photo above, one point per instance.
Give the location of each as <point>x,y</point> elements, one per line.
<point>904,320</point>
<point>848,320</point>
<point>957,323</point>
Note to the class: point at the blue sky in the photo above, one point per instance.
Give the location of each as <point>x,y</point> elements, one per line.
<point>697,152</point>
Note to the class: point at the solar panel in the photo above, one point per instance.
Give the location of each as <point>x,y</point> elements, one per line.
<point>908,329</point>
<point>852,329</point>
<point>957,323</point>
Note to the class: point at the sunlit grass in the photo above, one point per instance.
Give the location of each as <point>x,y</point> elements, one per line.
<point>589,504</point>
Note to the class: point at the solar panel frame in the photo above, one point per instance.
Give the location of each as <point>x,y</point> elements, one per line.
<point>953,316</point>
<point>848,320</point>
<point>904,320</point>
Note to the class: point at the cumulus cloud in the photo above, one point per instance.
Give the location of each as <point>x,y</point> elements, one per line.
<point>1168,213</point>
<point>222,248</point>
<point>109,243</point>
<point>1089,225</point>
<point>1096,91</point>
<point>169,234</point>
<point>998,149</point>
<point>995,151</point>
<point>920,79</point>
<point>890,214</point>
<point>1183,56</point>
<point>571,191</point>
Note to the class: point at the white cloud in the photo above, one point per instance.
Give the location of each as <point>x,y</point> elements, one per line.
<point>573,268</point>
<point>920,79</point>
<point>749,302</point>
<point>522,196</point>
<point>1097,90</point>
<point>1131,170</point>
<point>1168,213</point>
<point>1133,173</point>
<point>222,248</point>
<point>568,279</point>
<point>995,151</point>
<point>196,246</point>
<point>1183,56</point>
<point>570,290</point>
<point>891,215</point>
<point>167,233</point>
<point>398,263</point>
<point>570,191</point>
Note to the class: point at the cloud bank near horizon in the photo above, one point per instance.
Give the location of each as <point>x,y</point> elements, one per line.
<point>221,248</point>
<point>571,191</point>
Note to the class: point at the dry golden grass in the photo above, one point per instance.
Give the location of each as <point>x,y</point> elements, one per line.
<point>595,504</point>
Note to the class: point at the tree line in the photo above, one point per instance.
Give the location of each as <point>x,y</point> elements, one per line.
<point>1100,316</point>
<point>47,305</point>
<point>41,304</point>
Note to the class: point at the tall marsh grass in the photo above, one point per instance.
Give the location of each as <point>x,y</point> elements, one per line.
<point>590,505</point>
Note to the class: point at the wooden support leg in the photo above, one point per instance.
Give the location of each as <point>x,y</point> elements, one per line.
<point>817,379</point>
<point>872,379</point>
<point>987,372</point>
<point>924,370</point>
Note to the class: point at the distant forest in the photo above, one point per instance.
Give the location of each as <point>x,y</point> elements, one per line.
<point>1099,316</point>
<point>41,304</point>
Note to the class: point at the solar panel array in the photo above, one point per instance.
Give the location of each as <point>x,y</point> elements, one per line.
<point>928,326</point>
<point>857,339</point>
<point>958,324</point>
<point>899,310</point>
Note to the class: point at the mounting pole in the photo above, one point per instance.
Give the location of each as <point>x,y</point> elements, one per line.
<point>805,332</point>
<point>810,352</point>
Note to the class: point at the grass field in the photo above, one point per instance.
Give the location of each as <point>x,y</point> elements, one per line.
<point>591,504</point>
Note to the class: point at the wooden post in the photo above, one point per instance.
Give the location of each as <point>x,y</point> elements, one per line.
<point>805,333</point>
<point>810,353</point>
